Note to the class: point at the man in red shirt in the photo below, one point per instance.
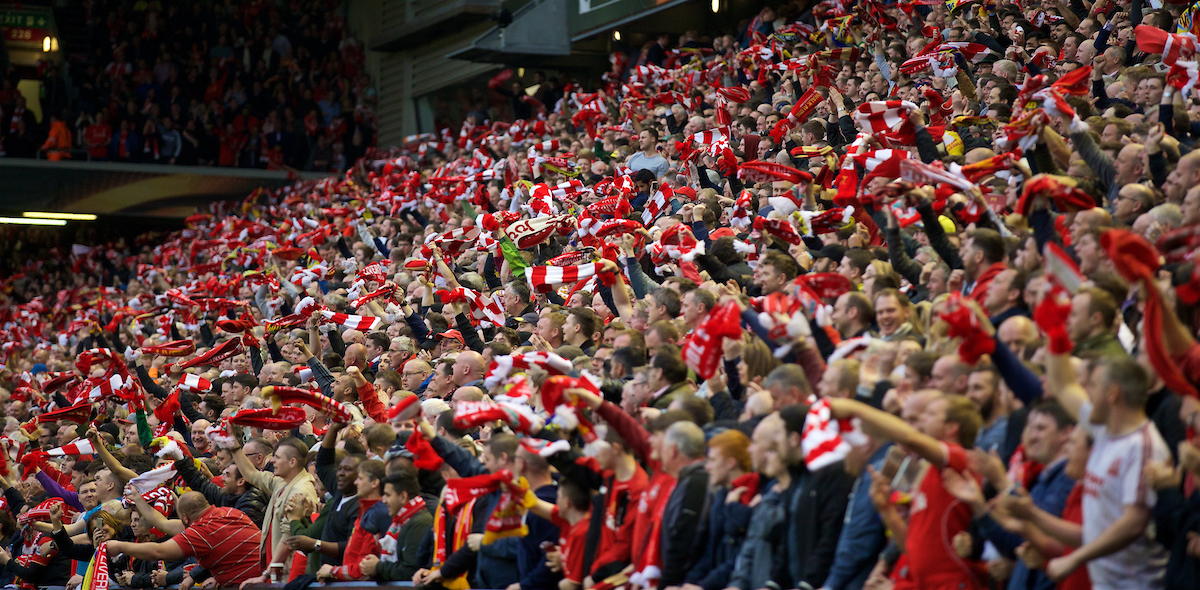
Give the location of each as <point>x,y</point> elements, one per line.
<point>618,473</point>
<point>949,424</point>
<point>98,136</point>
<point>223,540</point>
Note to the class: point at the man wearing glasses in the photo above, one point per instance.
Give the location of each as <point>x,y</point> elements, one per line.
<point>416,376</point>
<point>258,450</point>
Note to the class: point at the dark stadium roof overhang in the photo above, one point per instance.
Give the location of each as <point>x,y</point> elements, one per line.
<point>546,31</point>
<point>431,20</point>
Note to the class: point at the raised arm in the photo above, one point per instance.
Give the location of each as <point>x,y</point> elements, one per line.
<point>313,349</point>
<point>320,372</point>
<point>455,456</point>
<point>122,473</point>
<point>889,427</point>
<point>368,396</point>
<point>619,292</point>
<point>262,481</point>
<point>155,518</point>
<point>1062,383</point>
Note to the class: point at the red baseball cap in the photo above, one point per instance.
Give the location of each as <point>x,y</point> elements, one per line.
<point>455,334</point>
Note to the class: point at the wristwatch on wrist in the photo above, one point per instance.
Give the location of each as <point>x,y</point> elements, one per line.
<point>317,546</point>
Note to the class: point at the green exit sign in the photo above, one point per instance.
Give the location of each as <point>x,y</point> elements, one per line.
<point>11,17</point>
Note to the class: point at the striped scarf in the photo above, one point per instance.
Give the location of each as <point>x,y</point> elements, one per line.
<point>389,542</point>
<point>96,577</point>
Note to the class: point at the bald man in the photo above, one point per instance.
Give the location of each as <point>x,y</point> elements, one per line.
<point>469,368</point>
<point>978,155</point>
<point>1018,333</point>
<point>1189,209</point>
<point>1185,176</point>
<point>273,372</point>
<point>469,393</point>
<point>1132,201</point>
<point>950,375</point>
<point>356,356</point>
<point>1095,217</point>
<point>352,337</point>
<point>200,439</point>
<point>415,375</point>
<point>1111,174</point>
<point>1086,52</point>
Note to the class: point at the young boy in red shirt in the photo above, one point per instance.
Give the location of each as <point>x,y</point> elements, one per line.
<point>571,514</point>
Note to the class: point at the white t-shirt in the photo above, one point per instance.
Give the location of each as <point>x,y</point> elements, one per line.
<point>1114,480</point>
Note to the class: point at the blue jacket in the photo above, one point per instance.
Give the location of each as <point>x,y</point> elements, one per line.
<point>863,535</point>
<point>531,560</point>
<point>1049,493</point>
<point>496,563</point>
<point>722,534</point>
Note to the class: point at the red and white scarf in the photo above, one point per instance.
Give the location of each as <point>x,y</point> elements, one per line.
<point>388,543</point>
<point>504,364</point>
<point>482,306</point>
<point>544,278</point>
<point>826,440</point>
<point>889,118</point>
<point>356,322</point>
<point>657,204</point>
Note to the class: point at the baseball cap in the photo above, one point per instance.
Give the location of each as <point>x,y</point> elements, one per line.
<point>833,252</point>
<point>720,233</point>
<point>529,318</point>
<point>455,334</point>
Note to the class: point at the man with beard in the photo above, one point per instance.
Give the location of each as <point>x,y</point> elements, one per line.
<point>983,388</point>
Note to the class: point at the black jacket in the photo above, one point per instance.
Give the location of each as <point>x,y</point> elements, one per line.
<point>681,523</point>
<point>54,572</point>
<point>816,508</point>
<point>252,502</point>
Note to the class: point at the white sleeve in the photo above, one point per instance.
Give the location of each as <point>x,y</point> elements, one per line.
<point>1137,452</point>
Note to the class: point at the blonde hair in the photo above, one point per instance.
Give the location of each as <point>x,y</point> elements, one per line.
<point>758,357</point>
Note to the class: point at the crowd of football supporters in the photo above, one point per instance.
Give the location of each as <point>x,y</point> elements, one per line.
<point>863,295</point>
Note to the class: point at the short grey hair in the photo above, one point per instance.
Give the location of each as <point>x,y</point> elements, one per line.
<point>1005,67</point>
<point>1167,214</point>
<point>688,438</point>
<point>405,343</point>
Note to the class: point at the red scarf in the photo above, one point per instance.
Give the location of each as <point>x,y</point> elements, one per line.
<point>508,518</point>
<point>390,541</point>
<point>459,498</point>
<point>407,511</point>
<point>462,527</point>
<point>1137,262</point>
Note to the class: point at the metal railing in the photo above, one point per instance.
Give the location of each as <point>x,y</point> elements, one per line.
<point>76,154</point>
